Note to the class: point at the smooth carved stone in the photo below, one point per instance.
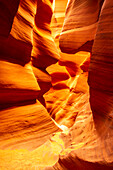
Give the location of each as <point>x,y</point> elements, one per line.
<point>23,23</point>
<point>8,10</point>
<point>17,83</point>
<point>71,67</point>
<point>71,62</point>
<point>87,145</point>
<point>32,27</point>
<point>57,76</point>
<point>21,81</point>
<point>82,85</point>
<point>58,73</point>
<point>80,25</point>
<point>16,48</point>
<point>60,86</point>
<point>101,65</point>
<point>43,79</point>
<point>15,51</point>
<point>44,82</point>
<point>26,124</point>
<point>64,99</point>
<point>44,51</point>
<point>85,64</point>
<point>59,7</point>
<point>25,127</point>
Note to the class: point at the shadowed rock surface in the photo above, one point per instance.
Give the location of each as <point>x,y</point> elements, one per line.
<point>23,79</point>
<point>80,25</point>
<point>56,108</point>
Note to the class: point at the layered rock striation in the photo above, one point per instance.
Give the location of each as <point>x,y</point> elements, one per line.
<point>80,25</point>
<point>37,79</point>
<point>26,49</point>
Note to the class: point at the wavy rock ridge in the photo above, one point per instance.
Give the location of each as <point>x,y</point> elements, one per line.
<point>23,78</point>
<point>29,74</point>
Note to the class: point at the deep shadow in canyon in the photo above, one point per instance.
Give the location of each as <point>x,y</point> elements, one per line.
<point>56,84</point>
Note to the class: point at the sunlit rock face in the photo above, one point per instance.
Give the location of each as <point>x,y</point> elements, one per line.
<point>69,84</point>
<point>80,25</point>
<point>26,49</point>
<point>90,145</point>
<point>33,70</point>
<point>66,77</point>
<point>59,7</point>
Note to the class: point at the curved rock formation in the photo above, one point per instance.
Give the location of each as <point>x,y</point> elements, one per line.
<point>26,49</point>
<point>91,136</point>
<point>29,74</point>
<point>100,72</point>
<point>80,25</point>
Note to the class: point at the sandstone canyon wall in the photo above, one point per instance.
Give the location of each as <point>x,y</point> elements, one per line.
<point>80,25</point>
<point>26,49</point>
<point>97,129</point>
<point>38,80</point>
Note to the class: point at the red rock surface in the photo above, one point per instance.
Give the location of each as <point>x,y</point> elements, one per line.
<point>50,117</point>
<point>80,25</point>
<point>100,72</point>
<point>23,79</point>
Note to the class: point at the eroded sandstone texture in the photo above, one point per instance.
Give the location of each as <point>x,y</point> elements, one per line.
<point>26,49</point>
<point>55,107</point>
<point>80,25</point>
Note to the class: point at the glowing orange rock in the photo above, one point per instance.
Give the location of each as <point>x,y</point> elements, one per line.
<point>25,127</point>
<point>79,25</point>
<point>85,65</point>
<point>101,65</point>
<point>26,49</point>
<point>25,123</point>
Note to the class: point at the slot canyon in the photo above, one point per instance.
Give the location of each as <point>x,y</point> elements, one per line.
<point>56,84</point>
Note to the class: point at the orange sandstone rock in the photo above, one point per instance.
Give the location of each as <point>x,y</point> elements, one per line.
<point>100,71</point>
<point>26,49</point>
<point>80,25</point>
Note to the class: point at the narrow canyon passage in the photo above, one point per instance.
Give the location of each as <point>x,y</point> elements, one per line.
<point>56,84</point>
